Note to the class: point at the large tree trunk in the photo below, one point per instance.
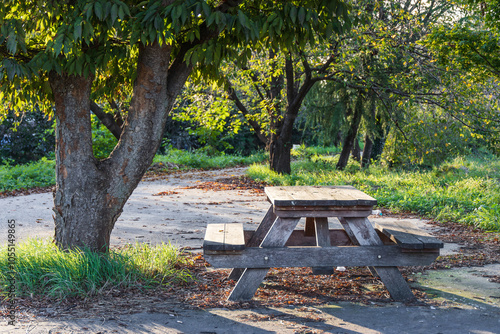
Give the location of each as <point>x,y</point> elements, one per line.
<point>280,154</point>
<point>90,194</point>
<point>352,134</point>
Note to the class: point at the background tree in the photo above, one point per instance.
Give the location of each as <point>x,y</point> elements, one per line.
<point>384,60</point>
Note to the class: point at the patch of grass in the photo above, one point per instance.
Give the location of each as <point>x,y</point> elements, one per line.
<point>202,160</point>
<point>36,174</point>
<point>42,269</point>
<point>310,151</point>
<point>464,190</point>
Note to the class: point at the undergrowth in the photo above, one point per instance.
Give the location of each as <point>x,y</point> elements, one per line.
<point>202,160</point>
<point>42,172</point>
<point>36,174</point>
<point>40,268</point>
<point>465,190</point>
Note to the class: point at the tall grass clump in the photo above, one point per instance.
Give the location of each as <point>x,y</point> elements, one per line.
<point>36,174</point>
<point>465,190</point>
<point>42,269</point>
<point>203,160</point>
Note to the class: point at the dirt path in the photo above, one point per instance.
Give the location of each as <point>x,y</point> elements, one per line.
<point>174,208</point>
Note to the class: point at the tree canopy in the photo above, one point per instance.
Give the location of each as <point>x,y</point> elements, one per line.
<point>66,57</point>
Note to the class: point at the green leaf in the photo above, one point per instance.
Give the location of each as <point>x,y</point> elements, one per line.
<point>242,18</point>
<point>114,13</point>
<point>12,42</point>
<point>77,33</point>
<point>98,10</point>
<point>302,15</point>
<point>58,44</point>
<point>206,9</point>
<point>121,12</point>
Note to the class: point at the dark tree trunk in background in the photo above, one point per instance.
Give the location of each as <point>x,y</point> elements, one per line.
<point>282,119</point>
<point>356,150</point>
<point>90,194</point>
<point>368,144</point>
<point>379,141</point>
<point>367,152</point>
<point>351,137</point>
<point>280,156</point>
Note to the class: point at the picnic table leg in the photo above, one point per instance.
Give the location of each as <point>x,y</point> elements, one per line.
<point>361,231</point>
<point>256,239</point>
<point>251,278</point>
<point>322,240</point>
<point>309,227</point>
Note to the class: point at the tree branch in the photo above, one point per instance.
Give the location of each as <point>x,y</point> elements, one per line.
<point>255,125</point>
<point>106,119</point>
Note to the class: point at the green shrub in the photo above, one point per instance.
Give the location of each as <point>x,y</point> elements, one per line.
<point>103,142</point>
<point>26,138</point>
<point>200,159</point>
<point>35,174</point>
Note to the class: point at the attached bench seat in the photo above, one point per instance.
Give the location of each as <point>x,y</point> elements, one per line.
<point>404,245</point>
<point>407,236</point>
<point>224,239</point>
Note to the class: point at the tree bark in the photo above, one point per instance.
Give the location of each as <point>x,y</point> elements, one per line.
<point>280,155</point>
<point>107,120</point>
<point>90,194</point>
<point>351,136</point>
<point>379,141</point>
<point>356,150</point>
<point>367,152</point>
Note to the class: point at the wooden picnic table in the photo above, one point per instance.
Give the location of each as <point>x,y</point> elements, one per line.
<point>276,243</point>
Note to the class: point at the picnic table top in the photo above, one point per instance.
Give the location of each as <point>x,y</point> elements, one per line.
<point>343,196</point>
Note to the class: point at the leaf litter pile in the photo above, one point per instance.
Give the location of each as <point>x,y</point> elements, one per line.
<point>231,183</point>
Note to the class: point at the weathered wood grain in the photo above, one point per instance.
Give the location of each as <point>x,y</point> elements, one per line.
<point>318,196</point>
<point>309,229</point>
<point>320,213</point>
<point>223,238</point>
<point>250,280</point>
<point>214,238</point>
<point>322,240</point>
<point>256,239</point>
<point>365,235</point>
<point>349,256</point>
<point>407,235</point>
<point>338,237</point>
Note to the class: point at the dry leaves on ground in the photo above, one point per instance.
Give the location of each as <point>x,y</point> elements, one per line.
<point>231,183</point>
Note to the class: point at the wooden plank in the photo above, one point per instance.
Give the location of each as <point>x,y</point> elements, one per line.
<point>338,237</point>
<point>322,232</point>
<point>223,238</point>
<point>351,256</point>
<point>325,208</point>
<point>251,278</point>
<point>313,214</point>
<point>309,229</point>
<point>214,238</point>
<point>318,196</point>
<point>364,234</point>
<point>256,239</point>
<point>407,235</point>
<point>234,239</point>
<point>322,240</point>
<point>264,226</point>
